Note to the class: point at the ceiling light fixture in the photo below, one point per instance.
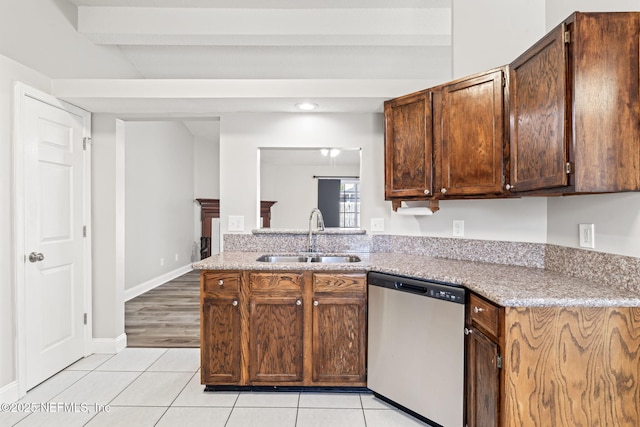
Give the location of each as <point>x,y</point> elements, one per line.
<point>333,152</point>
<point>306,106</point>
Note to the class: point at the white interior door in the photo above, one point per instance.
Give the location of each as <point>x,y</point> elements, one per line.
<point>53,221</point>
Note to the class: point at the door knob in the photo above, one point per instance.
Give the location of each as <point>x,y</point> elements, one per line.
<point>36,256</point>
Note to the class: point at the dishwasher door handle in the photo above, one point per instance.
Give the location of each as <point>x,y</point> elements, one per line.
<point>410,288</point>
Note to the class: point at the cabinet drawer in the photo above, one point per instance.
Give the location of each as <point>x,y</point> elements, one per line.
<point>328,282</point>
<point>221,282</point>
<point>484,314</point>
<point>276,281</point>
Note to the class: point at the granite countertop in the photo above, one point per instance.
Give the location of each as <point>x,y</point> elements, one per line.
<point>509,286</point>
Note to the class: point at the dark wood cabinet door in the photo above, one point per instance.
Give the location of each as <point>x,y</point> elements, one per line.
<point>275,339</point>
<point>539,115</point>
<point>408,147</point>
<point>483,381</point>
<point>339,339</point>
<point>473,136</point>
<point>220,340</point>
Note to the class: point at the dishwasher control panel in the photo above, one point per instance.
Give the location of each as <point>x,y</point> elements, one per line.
<point>446,295</point>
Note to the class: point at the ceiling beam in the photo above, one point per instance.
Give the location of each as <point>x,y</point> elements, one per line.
<point>266,27</point>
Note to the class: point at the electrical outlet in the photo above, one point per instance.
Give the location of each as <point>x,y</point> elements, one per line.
<point>458,228</point>
<point>586,236</point>
<point>161,262</point>
<point>177,257</point>
<point>236,223</point>
<point>377,224</point>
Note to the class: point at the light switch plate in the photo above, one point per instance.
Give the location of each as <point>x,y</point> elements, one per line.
<point>377,224</point>
<point>236,223</point>
<point>586,236</point>
<point>458,228</point>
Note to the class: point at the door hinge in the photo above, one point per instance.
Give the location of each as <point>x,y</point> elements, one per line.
<point>568,167</point>
<point>504,81</point>
<point>84,231</point>
<point>85,318</point>
<point>566,37</point>
<point>499,362</point>
<point>86,140</point>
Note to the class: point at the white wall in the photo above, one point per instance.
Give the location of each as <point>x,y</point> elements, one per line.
<point>206,175</point>
<point>295,190</point>
<point>242,134</point>
<point>492,33</point>
<point>159,194</point>
<point>10,71</point>
<point>558,10</point>
<point>42,35</point>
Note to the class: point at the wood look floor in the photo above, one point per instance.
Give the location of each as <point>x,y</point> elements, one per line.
<point>167,316</point>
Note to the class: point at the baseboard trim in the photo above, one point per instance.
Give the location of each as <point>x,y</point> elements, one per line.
<point>109,345</point>
<point>155,282</point>
<point>10,392</point>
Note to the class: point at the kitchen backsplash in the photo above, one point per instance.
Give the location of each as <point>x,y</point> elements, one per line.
<point>610,269</point>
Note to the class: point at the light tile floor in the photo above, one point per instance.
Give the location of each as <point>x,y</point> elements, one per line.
<point>161,387</point>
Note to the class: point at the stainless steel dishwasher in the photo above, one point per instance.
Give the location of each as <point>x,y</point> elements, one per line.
<point>416,346</point>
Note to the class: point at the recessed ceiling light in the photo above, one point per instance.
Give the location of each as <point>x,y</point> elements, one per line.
<point>306,106</point>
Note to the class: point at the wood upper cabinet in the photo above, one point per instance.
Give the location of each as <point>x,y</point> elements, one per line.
<point>472,135</point>
<point>574,107</point>
<point>408,147</point>
<point>220,328</point>
<point>339,328</point>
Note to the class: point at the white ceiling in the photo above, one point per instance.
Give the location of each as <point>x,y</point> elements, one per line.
<point>267,43</point>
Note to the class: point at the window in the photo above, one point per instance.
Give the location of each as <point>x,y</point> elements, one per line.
<point>339,201</point>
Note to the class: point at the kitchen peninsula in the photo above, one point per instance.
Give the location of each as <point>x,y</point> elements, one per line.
<point>569,348</point>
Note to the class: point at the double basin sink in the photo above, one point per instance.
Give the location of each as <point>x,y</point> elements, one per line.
<point>309,258</point>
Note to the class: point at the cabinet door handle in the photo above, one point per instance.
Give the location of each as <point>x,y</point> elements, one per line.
<point>298,302</point>
<point>467,331</point>
<point>509,187</point>
<point>426,191</point>
<point>315,303</point>
<point>234,303</point>
<point>478,309</point>
<point>220,282</point>
<point>443,190</point>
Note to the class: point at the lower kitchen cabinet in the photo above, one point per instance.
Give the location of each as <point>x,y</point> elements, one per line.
<point>339,328</point>
<point>220,328</point>
<point>552,366</point>
<point>275,339</point>
<point>483,380</point>
<point>484,360</point>
<point>284,328</point>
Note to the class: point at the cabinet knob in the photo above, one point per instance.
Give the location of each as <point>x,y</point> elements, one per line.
<point>234,303</point>
<point>443,190</point>
<point>467,331</point>
<point>298,302</point>
<point>426,191</point>
<point>478,309</point>
<point>220,282</point>
<point>315,303</point>
<point>509,187</point>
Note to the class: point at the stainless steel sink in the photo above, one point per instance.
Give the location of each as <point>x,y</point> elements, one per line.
<point>312,258</point>
<point>335,258</point>
<point>282,258</point>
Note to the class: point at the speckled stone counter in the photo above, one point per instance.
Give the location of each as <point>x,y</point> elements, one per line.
<point>509,286</point>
